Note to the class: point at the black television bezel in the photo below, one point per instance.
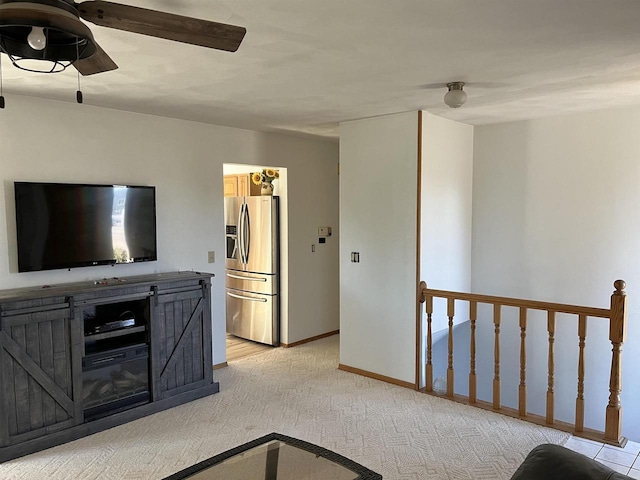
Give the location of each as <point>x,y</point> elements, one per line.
<point>93,263</point>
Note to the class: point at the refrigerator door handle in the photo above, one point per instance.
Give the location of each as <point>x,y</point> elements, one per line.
<point>247,233</point>
<point>253,279</point>
<point>251,299</point>
<point>241,233</point>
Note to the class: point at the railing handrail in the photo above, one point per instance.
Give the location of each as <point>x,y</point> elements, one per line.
<point>616,315</point>
<point>517,302</point>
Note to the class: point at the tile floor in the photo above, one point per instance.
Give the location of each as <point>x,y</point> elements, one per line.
<point>624,460</point>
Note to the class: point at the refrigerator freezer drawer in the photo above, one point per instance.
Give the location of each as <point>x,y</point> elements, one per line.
<point>253,316</point>
<point>252,282</point>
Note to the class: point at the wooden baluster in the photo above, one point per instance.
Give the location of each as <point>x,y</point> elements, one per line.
<point>496,353</point>
<point>613,421</point>
<point>420,342</point>
<point>450,314</point>
<point>551,327</point>
<point>473,315</point>
<point>522,389</point>
<point>582,334</point>
<point>429,369</point>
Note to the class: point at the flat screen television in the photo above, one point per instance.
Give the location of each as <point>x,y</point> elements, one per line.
<point>62,225</point>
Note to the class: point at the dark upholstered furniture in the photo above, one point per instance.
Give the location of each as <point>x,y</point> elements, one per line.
<point>553,462</point>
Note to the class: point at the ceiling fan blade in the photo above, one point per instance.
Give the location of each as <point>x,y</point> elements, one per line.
<point>163,25</point>
<point>97,63</point>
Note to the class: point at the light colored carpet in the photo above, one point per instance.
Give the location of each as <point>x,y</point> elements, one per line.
<point>299,392</point>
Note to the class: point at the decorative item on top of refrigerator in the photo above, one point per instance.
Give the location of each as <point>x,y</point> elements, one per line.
<point>252,268</point>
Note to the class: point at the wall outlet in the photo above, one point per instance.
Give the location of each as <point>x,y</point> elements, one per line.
<point>211,257</point>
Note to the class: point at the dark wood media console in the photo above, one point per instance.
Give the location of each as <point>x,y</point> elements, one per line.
<point>79,358</point>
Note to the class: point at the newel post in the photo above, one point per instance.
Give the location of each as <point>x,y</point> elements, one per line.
<point>422,286</point>
<point>613,420</point>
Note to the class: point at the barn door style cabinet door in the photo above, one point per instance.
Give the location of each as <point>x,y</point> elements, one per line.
<point>40,371</point>
<point>181,338</point>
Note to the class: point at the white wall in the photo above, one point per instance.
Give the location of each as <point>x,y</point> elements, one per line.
<point>378,219</point>
<point>554,218</point>
<point>447,179</point>
<point>445,223</point>
<point>42,140</point>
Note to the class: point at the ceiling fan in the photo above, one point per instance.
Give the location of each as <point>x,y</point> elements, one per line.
<point>51,31</point>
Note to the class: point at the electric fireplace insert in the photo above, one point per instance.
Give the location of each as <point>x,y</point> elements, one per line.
<point>115,366</point>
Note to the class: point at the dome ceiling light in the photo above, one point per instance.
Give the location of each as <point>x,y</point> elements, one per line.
<point>456,96</point>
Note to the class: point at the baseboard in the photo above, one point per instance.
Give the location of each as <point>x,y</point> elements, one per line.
<point>218,366</point>
<point>312,339</point>
<point>376,376</point>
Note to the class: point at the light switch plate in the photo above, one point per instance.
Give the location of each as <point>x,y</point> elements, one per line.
<point>212,257</point>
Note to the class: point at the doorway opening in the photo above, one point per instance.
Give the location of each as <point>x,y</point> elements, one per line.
<point>256,295</point>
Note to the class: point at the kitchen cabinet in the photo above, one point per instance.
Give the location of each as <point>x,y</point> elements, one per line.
<point>230,185</point>
<point>240,186</point>
<point>244,185</point>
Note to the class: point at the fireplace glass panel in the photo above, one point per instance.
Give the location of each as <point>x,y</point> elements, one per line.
<point>115,380</point>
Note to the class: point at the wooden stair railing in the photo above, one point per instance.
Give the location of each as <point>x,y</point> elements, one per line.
<point>616,315</point>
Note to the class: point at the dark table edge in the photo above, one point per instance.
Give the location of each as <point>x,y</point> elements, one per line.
<point>363,472</point>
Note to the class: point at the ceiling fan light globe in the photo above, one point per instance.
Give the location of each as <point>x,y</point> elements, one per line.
<point>455,98</point>
<point>37,39</point>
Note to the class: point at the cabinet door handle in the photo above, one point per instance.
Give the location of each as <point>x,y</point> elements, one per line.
<point>251,299</point>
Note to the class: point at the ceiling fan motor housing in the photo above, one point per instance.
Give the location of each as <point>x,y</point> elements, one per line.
<point>68,38</point>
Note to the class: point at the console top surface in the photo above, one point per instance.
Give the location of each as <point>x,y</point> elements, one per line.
<point>64,289</point>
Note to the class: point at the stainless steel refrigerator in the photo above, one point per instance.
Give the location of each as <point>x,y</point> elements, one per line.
<point>252,268</point>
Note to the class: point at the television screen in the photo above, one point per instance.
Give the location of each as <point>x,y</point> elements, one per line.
<point>72,225</point>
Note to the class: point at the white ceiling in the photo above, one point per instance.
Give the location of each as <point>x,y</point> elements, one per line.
<point>306,65</point>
